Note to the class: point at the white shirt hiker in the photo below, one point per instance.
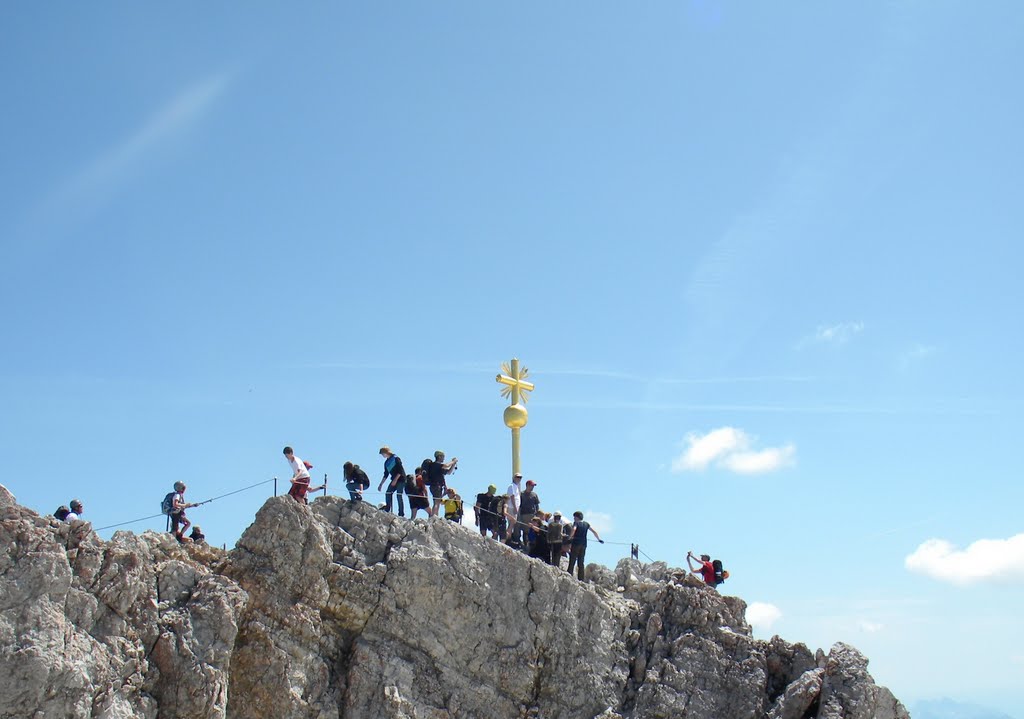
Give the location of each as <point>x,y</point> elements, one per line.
<point>299,470</point>
<point>512,506</point>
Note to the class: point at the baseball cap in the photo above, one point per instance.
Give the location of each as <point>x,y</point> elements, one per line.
<point>491,488</point>
<point>518,475</point>
<point>531,482</point>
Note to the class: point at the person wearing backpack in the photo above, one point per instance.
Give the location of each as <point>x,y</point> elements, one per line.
<point>355,481</point>
<point>453,506</point>
<point>174,506</point>
<point>706,570</point>
<point>76,511</point>
<point>416,489</point>
<point>392,468</point>
<point>555,540</point>
<point>63,514</point>
<point>485,511</point>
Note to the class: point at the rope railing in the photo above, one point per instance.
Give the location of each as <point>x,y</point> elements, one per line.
<point>212,499</point>
<point>634,548</point>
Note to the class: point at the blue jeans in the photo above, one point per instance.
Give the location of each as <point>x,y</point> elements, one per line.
<point>397,485</point>
<point>355,490</point>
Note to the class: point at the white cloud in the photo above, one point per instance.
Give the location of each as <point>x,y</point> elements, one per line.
<point>731,449</point>
<point>704,449</point>
<point>767,460</point>
<point>600,521</point>
<point>870,627</point>
<point>761,615</point>
<point>984,560</point>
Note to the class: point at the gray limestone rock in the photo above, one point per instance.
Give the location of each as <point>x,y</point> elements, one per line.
<point>339,610</point>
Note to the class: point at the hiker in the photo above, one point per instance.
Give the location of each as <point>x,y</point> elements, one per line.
<point>300,477</point>
<point>529,503</point>
<point>64,514</point>
<point>392,468</point>
<point>512,495</point>
<point>500,520</point>
<point>538,539</point>
<point>197,535</point>
<point>578,543</point>
<point>176,511</point>
<point>706,570</point>
<point>437,470</point>
<point>76,511</point>
<point>555,540</point>
<point>416,489</point>
<point>485,511</point>
<point>355,481</point>
<point>453,506</point>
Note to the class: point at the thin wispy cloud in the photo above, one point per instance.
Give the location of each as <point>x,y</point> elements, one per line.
<point>869,627</point>
<point>986,560</point>
<point>915,354</point>
<point>86,190</point>
<point>834,334</point>
<point>601,521</point>
<point>631,377</point>
<point>733,450</point>
<point>467,368</point>
<point>761,615</point>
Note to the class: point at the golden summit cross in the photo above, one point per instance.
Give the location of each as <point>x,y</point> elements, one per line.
<point>515,416</point>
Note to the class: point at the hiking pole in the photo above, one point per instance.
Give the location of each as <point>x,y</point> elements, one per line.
<point>275,486</point>
<point>325,484</point>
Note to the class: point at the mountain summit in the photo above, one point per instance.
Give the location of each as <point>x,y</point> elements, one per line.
<point>339,610</point>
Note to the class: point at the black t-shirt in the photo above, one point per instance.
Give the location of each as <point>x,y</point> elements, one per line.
<point>580,538</point>
<point>488,504</point>
<point>435,474</point>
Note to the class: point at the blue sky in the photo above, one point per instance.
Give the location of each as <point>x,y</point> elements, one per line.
<point>761,260</point>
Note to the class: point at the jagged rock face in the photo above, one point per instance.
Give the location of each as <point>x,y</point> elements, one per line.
<point>339,610</point>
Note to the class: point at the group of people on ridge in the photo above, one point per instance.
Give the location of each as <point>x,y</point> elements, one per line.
<point>514,518</point>
<point>517,519</point>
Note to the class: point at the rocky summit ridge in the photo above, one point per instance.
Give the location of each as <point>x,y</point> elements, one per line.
<point>340,610</point>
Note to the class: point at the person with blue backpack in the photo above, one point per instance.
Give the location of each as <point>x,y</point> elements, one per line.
<point>174,506</point>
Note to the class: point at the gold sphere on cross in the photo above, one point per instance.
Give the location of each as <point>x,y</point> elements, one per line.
<point>515,416</point>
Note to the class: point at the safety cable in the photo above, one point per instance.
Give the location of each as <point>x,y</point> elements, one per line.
<point>378,493</point>
<point>154,516</point>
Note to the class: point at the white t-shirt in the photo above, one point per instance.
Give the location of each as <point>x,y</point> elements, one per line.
<point>299,470</point>
<point>512,506</point>
<point>71,517</point>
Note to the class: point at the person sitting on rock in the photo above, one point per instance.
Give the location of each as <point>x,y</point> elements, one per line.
<point>75,512</point>
<point>706,570</point>
<point>197,535</point>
